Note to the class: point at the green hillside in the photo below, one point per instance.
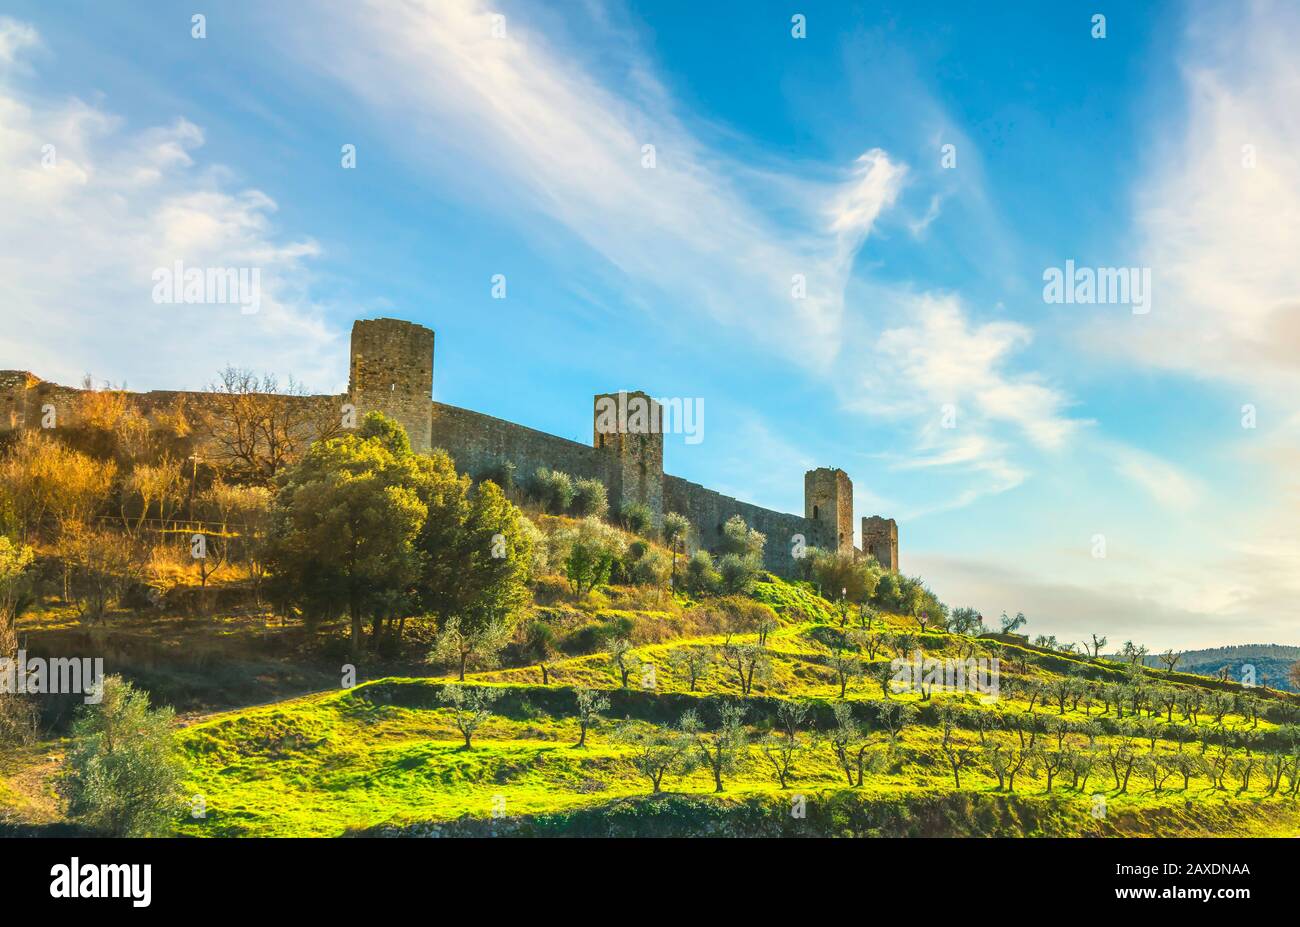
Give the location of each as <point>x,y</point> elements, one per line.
<point>386,757</point>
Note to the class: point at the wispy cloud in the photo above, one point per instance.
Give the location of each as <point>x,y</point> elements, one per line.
<point>15,36</point>
<point>92,208</point>
<point>1219,210</point>
<point>1168,485</point>
<point>534,130</point>
<point>541,130</point>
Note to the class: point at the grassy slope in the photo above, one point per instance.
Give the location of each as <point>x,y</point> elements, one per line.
<point>385,757</point>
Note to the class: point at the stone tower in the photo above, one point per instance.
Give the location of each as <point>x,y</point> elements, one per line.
<point>392,373</point>
<point>628,428</point>
<point>880,540</point>
<point>828,501</point>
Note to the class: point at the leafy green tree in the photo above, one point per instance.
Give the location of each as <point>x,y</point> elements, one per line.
<point>539,646</point>
<point>844,576</point>
<point>651,568</point>
<point>621,658</point>
<point>476,552</point>
<point>694,663</point>
<point>637,518</point>
<point>856,750</point>
<point>1012,625</point>
<point>590,552</point>
<point>737,574</point>
<point>740,539</point>
<point>552,489</point>
<point>124,774</point>
<point>345,522</point>
<point>750,661</point>
<point>19,717</point>
<point>966,621</point>
<point>15,583</point>
<point>845,662</point>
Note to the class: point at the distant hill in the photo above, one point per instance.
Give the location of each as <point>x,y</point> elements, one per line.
<point>1272,662</point>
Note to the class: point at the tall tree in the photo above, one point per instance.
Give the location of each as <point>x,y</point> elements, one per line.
<point>345,523</point>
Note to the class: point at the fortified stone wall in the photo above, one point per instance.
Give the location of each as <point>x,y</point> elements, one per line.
<point>392,372</point>
<point>708,511</point>
<point>25,397</point>
<point>480,444</point>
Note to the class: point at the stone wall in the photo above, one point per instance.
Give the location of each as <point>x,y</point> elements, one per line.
<point>480,444</point>
<point>392,372</point>
<point>708,511</point>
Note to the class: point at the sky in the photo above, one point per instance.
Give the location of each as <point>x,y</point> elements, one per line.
<point>830,222</point>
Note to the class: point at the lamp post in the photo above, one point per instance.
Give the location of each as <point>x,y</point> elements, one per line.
<point>194,475</point>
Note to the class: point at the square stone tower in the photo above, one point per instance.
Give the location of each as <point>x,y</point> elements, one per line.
<point>828,501</point>
<point>880,540</point>
<point>392,372</point>
<point>627,427</point>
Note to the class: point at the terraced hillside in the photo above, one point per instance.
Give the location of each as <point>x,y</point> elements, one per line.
<point>1068,746</point>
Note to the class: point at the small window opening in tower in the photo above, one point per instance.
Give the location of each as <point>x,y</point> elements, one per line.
<point>814,513</point>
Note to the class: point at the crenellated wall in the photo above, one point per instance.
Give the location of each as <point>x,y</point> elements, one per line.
<point>391,371</point>
<point>480,444</point>
<point>708,510</point>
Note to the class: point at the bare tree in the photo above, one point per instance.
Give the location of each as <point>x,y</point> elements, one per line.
<point>781,746</point>
<point>254,427</point>
<point>749,661</point>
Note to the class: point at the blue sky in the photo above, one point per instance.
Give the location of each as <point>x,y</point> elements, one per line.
<point>480,154</point>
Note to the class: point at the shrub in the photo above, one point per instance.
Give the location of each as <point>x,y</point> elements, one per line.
<point>590,499</point>
<point>740,539</point>
<point>552,490</point>
<point>701,576</point>
<point>738,573</point>
<point>637,518</point>
<point>650,569</point>
<point>588,553</point>
<point>124,774</point>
